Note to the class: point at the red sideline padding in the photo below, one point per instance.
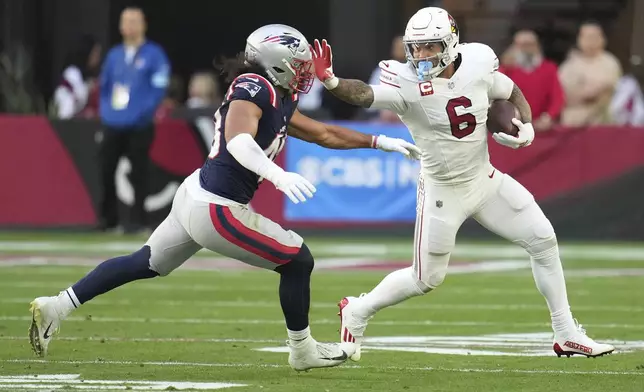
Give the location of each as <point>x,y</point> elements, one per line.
<point>563,160</point>
<point>41,186</point>
<point>175,148</point>
<point>40,182</point>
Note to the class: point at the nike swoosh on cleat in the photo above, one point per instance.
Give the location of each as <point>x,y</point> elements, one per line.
<point>46,334</point>
<point>340,358</point>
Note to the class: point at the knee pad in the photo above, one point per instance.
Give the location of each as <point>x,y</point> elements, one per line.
<point>543,238</point>
<point>422,287</point>
<point>432,270</point>
<point>433,258</point>
<point>302,263</point>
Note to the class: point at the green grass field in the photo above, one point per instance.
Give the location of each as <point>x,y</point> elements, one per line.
<point>212,325</point>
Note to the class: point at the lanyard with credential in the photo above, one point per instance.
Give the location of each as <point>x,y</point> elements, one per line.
<point>121,91</point>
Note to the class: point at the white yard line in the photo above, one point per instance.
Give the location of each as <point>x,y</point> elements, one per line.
<point>331,305</point>
<point>390,323</point>
<point>151,340</point>
<point>217,287</point>
<point>623,252</point>
<point>386,368</point>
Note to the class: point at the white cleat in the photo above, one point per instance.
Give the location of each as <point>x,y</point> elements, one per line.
<point>352,325</point>
<point>580,344</point>
<point>309,354</point>
<point>44,323</point>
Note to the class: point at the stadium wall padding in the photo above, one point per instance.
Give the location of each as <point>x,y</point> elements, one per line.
<point>590,182</point>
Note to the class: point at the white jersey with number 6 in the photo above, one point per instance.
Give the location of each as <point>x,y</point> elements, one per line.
<point>446,117</point>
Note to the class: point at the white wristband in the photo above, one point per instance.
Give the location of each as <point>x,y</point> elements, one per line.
<point>331,83</point>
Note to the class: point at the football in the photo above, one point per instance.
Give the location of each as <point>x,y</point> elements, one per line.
<point>499,117</point>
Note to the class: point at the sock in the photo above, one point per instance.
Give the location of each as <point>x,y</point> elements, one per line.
<point>549,278</point>
<point>298,336</point>
<point>67,302</point>
<point>295,289</point>
<point>113,273</point>
<point>393,289</point>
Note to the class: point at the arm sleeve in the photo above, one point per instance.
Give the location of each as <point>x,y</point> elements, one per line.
<point>248,153</point>
<point>387,94</point>
<point>500,86</point>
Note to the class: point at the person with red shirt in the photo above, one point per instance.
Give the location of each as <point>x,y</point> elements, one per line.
<point>536,76</point>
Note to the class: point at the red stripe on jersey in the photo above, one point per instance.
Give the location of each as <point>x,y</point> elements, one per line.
<point>388,71</point>
<point>420,241</point>
<point>391,84</point>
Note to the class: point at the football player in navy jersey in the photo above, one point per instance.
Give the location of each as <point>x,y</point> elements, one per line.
<point>210,209</point>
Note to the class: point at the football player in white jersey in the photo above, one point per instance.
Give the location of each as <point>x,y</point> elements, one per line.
<point>442,94</point>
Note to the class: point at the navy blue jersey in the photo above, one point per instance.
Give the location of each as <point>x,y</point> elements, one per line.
<point>222,174</point>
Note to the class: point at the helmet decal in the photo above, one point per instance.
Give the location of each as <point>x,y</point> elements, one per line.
<point>292,43</point>
<point>452,24</point>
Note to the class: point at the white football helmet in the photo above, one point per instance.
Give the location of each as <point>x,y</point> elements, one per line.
<point>284,54</point>
<point>431,25</point>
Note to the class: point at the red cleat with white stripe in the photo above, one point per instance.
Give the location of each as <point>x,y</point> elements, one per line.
<point>580,344</point>
<point>352,324</point>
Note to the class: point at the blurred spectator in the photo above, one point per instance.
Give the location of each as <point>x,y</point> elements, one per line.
<point>398,54</point>
<point>203,91</point>
<point>134,78</point>
<point>173,99</point>
<point>589,76</point>
<point>627,105</point>
<point>312,100</point>
<point>536,76</point>
<point>81,67</point>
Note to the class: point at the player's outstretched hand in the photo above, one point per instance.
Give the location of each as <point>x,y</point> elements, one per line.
<point>323,61</point>
<point>391,144</point>
<point>523,139</point>
<point>294,186</point>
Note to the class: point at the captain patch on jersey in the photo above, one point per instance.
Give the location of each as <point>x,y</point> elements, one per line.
<point>252,88</point>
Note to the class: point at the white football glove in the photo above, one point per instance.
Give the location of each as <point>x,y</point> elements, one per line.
<point>294,186</point>
<point>523,139</point>
<point>391,144</point>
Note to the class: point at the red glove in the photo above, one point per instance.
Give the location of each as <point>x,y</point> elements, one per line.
<point>323,60</point>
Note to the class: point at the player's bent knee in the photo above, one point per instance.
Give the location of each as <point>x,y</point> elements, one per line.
<point>301,264</point>
<point>422,287</point>
<point>158,263</point>
<point>543,239</point>
<point>140,261</point>
<point>435,270</point>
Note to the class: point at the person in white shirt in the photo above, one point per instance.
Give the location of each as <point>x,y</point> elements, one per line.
<point>70,96</point>
<point>627,105</point>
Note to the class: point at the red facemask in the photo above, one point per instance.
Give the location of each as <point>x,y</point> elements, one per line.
<point>304,77</point>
